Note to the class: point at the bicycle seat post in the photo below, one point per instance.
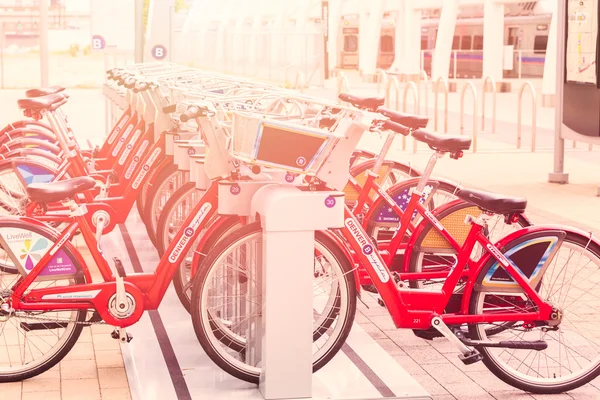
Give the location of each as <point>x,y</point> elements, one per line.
<point>428,170</point>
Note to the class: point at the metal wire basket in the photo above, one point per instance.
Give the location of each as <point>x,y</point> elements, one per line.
<point>273,143</point>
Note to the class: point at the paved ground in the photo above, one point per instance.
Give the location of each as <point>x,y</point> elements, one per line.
<point>95,368</point>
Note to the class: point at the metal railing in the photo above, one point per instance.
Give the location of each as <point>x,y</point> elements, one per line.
<point>410,86</point>
<point>381,78</point>
<point>424,78</point>
<point>393,82</point>
<point>342,84</point>
<point>473,89</point>
<point>299,81</point>
<point>444,81</point>
<point>526,85</point>
<point>487,80</point>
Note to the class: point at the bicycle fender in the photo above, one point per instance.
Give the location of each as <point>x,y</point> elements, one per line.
<point>547,239</point>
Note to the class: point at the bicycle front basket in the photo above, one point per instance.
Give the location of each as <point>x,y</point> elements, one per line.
<point>280,144</point>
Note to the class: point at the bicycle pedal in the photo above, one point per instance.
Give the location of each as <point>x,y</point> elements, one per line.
<point>121,335</point>
<point>427,334</point>
<point>471,357</point>
<point>119,267</point>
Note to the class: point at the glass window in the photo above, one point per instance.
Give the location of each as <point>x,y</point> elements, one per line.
<point>477,42</point>
<point>465,43</point>
<point>540,44</point>
<point>456,43</point>
<point>424,43</point>
<point>350,43</point>
<point>387,44</point>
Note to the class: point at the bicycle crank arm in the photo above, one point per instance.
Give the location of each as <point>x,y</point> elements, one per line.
<point>467,355</point>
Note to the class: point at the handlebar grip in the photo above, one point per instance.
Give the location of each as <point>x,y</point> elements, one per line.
<point>170,109</point>
<point>396,127</point>
<point>190,113</point>
<point>129,82</point>
<point>140,87</point>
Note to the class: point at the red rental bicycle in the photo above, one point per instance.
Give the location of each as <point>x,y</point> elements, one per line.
<point>524,299</point>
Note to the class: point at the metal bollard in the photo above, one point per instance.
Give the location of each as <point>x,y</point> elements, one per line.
<point>525,85</point>
<point>410,86</point>
<point>485,82</point>
<point>435,116</point>
<point>423,77</point>
<point>396,85</point>
<point>473,89</point>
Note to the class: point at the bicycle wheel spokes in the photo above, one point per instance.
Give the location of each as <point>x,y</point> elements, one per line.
<point>32,342</point>
<point>233,302</point>
<point>572,358</point>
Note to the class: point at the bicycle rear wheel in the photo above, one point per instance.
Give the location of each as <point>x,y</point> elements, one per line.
<point>572,357</point>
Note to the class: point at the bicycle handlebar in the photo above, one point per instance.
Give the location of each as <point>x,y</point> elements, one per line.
<point>190,113</point>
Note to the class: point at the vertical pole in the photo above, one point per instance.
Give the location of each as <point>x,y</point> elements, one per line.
<point>44,42</point>
<point>139,31</point>
<point>558,175</point>
<point>2,55</point>
<point>325,19</point>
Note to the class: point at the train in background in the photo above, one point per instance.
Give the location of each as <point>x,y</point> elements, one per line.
<point>525,28</point>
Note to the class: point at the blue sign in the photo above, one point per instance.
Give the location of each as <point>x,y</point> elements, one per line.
<point>98,42</point>
<point>159,52</point>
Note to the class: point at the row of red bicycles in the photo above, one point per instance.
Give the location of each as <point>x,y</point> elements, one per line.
<point>446,261</point>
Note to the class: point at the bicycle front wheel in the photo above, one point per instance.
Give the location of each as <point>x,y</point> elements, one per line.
<point>226,306</point>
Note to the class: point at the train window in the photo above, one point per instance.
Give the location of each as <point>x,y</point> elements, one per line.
<point>456,43</point>
<point>387,44</point>
<point>477,42</point>
<point>540,44</point>
<point>350,43</point>
<point>465,43</point>
<point>424,43</point>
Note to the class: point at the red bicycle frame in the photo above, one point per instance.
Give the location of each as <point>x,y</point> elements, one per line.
<point>147,289</point>
<point>413,308</point>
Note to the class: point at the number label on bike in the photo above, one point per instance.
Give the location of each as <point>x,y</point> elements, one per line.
<point>235,189</point>
<point>372,256</point>
<point>189,232</point>
<point>330,202</point>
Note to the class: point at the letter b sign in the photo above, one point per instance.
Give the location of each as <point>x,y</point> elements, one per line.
<point>98,42</point>
<point>159,52</point>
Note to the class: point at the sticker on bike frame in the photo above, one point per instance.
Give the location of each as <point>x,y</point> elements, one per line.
<point>534,254</point>
<point>189,232</point>
<point>118,128</point>
<point>84,295</point>
<point>289,178</point>
<point>146,167</point>
<point>367,249</point>
<point>25,248</point>
<point>122,140</point>
<point>129,146</point>
<point>137,158</point>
